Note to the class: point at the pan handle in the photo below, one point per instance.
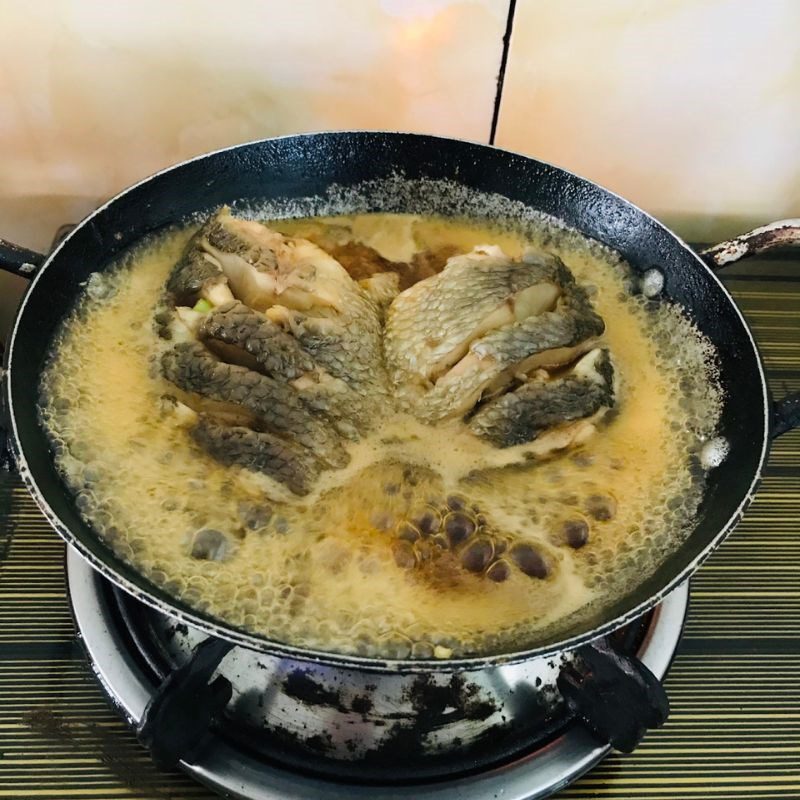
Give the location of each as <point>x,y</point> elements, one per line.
<point>777,234</point>
<point>19,260</point>
<point>23,262</point>
<point>784,232</point>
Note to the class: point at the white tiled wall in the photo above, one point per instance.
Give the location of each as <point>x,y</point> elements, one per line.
<point>98,94</point>
<point>689,107</point>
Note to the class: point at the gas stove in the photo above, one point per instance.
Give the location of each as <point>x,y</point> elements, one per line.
<point>132,649</point>
<point>734,686</point>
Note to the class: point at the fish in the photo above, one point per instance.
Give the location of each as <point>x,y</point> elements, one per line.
<point>265,268</point>
<point>306,293</point>
<point>520,415</point>
<point>288,358</point>
<point>197,276</point>
<point>286,343</point>
<point>486,320</point>
<point>238,334</point>
<point>275,406</point>
<point>282,460</point>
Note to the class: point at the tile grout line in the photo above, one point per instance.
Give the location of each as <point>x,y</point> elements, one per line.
<point>512,5</point>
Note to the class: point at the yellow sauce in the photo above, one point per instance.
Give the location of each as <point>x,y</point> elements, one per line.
<point>320,572</point>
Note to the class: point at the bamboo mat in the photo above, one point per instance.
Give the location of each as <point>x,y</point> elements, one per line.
<point>734,731</point>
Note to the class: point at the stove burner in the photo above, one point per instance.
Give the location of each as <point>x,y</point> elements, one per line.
<point>132,649</point>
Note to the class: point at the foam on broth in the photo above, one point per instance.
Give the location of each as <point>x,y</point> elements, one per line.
<point>319,573</point>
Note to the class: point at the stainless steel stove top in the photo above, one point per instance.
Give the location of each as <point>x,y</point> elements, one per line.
<point>236,772</point>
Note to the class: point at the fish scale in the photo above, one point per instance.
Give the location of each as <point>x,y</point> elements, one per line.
<point>520,416</point>
<point>193,272</point>
<point>314,377</point>
<point>277,352</point>
<point>432,317</point>
<point>293,466</point>
<point>192,368</point>
<point>468,290</point>
<point>546,331</point>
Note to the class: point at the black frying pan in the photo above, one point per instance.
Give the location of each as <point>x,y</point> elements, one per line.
<point>306,166</point>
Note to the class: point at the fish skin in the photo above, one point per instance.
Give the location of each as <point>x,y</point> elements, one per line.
<point>218,233</point>
<point>194,271</point>
<point>343,334</point>
<point>546,331</point>
<point>194,369</point>
<point>263,267</point>
<point>277,353</point>
<point>499,351</point>
<point>445,309</point>
<point>432,317</point>
<point>312,374</point>
<point>574,321</point>
<point>293,466</point>
<point>520,416</point>
<point>347,347</point>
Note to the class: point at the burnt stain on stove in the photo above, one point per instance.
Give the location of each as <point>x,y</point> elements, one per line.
<point>410,742</point>
<point>178,629</point>
<point>479,710</point>
<point>438,704</point>
<point>281,743</point>
<point>432,700</point>
<point>427,705</point>
<point>300,686</point>
<point>459,700</point>
<point>321,743</point>
<point>435,706</point>
<point>362,705</point>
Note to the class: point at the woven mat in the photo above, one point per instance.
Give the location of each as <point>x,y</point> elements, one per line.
<point>734,731</point>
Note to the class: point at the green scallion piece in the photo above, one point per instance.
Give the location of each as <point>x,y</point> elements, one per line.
<point>203,306</point>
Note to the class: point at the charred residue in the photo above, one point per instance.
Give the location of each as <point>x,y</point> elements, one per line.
<point>300,686</point>
<point>362,704</point>
<point>284,745</point>
<point>434,706</point>
<point>445,703</point>
<point>178,629</point>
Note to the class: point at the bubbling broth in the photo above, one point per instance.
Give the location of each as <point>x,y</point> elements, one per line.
<point>411,529</point>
